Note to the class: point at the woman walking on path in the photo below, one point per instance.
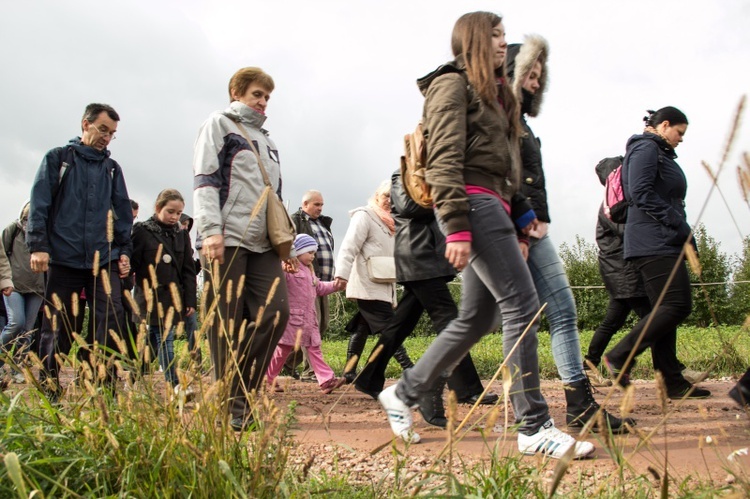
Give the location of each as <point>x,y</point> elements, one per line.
<point>655,233</point>
<point>303,329</point>
<point>471,129</point>
<point>228,185</point>
<point>527,67</point>
<point>621,279</point>
<point>370,235</point>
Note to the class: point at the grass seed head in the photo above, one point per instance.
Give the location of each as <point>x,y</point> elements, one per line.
<point>152,274</point>
<point>692,258</point>
<point>74,302</point>
<point>110,226</point>
<point>176,299</point>
<point>106,283</point>
<point>95,266</point>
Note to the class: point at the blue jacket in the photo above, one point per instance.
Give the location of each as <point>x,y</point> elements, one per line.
<point>655,186</point>
<point>68,217</point>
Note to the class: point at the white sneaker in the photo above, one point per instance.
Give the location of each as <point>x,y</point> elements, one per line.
<point>399,415</point>
<point>552,442</point>
<point>188,392</point>
<point>18,378</point>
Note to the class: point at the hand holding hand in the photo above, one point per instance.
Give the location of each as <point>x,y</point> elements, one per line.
<point>340,283</point>
<point>290,265</point>
<point>539,230</point>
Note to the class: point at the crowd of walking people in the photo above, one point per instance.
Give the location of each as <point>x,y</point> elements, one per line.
<point>75,244</point>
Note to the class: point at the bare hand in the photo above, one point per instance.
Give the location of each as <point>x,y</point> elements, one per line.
<point>123,266</point>
<point>290,265</point>
<point>39,261</point>
<point>524,246</point>
<point>213,248</point>
<point>540,230</point>
<point>340,283</point>
<point>7,291</point>
<point>457,253</point>
<point>532,226</point>
<point>189,311</point>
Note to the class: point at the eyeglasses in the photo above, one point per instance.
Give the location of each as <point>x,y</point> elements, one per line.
<point>104,131</point>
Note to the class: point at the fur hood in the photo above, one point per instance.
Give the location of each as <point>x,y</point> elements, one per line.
<point>520,60</point>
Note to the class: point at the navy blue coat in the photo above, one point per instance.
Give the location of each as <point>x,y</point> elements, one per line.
<point>655,186</point>
<point>72,225</point>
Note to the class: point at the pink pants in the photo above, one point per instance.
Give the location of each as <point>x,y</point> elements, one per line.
<point>322,371</point>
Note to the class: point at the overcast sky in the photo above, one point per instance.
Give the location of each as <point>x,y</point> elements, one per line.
<point>345,92</point>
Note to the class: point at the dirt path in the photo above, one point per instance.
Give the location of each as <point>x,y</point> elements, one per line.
<point>700,435</point>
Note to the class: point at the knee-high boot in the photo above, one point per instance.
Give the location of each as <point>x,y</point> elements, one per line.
<point>356,346</point>
<point>582,407</point>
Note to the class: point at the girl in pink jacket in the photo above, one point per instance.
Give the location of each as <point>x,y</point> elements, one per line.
<point>303,288</point>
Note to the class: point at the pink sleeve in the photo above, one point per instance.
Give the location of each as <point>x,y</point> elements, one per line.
<point>325,288</point>
<point>464,235</point>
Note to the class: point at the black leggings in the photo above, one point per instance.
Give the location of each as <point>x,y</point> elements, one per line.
<point>661,334</point>
<point>618,311</point>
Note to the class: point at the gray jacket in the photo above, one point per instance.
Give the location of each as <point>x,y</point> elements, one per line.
<point>19,263</point>
<point>228,183</point>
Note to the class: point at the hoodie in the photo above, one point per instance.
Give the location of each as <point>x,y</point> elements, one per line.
<point>520,61</point>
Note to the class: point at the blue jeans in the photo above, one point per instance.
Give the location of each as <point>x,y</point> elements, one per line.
<point>497,288</point>
<point>553,288</point>
<point>22,310</point>
<point>165,351</point>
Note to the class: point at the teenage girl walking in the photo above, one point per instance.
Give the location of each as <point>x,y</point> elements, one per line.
<point>471,124</point>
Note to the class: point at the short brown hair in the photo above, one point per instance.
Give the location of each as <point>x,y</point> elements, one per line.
<point>166,196</point>
<point>244,77</point>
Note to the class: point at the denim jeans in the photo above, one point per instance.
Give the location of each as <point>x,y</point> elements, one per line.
<point>22,310</point>
<point>164,348</point>
<point>553,288</point>
<point>497,288</point>
<point>191,326</point>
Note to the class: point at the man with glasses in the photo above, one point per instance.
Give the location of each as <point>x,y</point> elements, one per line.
<point>72,236</point>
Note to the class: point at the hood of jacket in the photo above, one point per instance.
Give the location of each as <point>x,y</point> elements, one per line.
<point>451,67</point>
<point>186,218</point>
<point>519,63</point>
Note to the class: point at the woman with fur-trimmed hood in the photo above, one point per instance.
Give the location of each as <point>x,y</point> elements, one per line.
<point>527,68</point>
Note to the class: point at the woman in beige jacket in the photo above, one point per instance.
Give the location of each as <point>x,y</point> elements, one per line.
<point>370,234</point>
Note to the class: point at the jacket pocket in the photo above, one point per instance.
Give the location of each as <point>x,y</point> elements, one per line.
<point>296,317</point>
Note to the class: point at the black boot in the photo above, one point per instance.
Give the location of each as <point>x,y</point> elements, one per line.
<point>431,404</point>
<point>740,393</point>
<point>582,407</point>
<point>403,358</point>
<point>356,346</point>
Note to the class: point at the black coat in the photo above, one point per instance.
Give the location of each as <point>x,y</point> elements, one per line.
<point>420,246</point>
<point>532,180</point>
<point>175,265</point>
<point>621,277</point>
<point>655,187</point>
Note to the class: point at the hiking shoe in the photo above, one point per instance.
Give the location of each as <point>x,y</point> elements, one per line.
<point>399,415</point>
<point>693,377</point>
<point>489,399</point>
<point>330,385</point>
<point>552,442</point>
<point>689,392</point>
<point>614,372</point>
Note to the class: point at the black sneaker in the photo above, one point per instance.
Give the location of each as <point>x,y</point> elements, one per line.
<point>741,395</point>
<point>371,393</point>
<point>689,392</point>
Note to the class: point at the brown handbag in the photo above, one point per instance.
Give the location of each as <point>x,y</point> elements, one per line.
<point>280,227</point>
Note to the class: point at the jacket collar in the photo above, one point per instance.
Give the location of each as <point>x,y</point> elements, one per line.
<point>238,111</point>
<point>88,152</point>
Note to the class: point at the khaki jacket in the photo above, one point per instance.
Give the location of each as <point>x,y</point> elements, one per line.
<point>467,143</point>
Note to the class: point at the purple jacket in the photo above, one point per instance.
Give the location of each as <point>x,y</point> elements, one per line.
<point>303,289</point>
